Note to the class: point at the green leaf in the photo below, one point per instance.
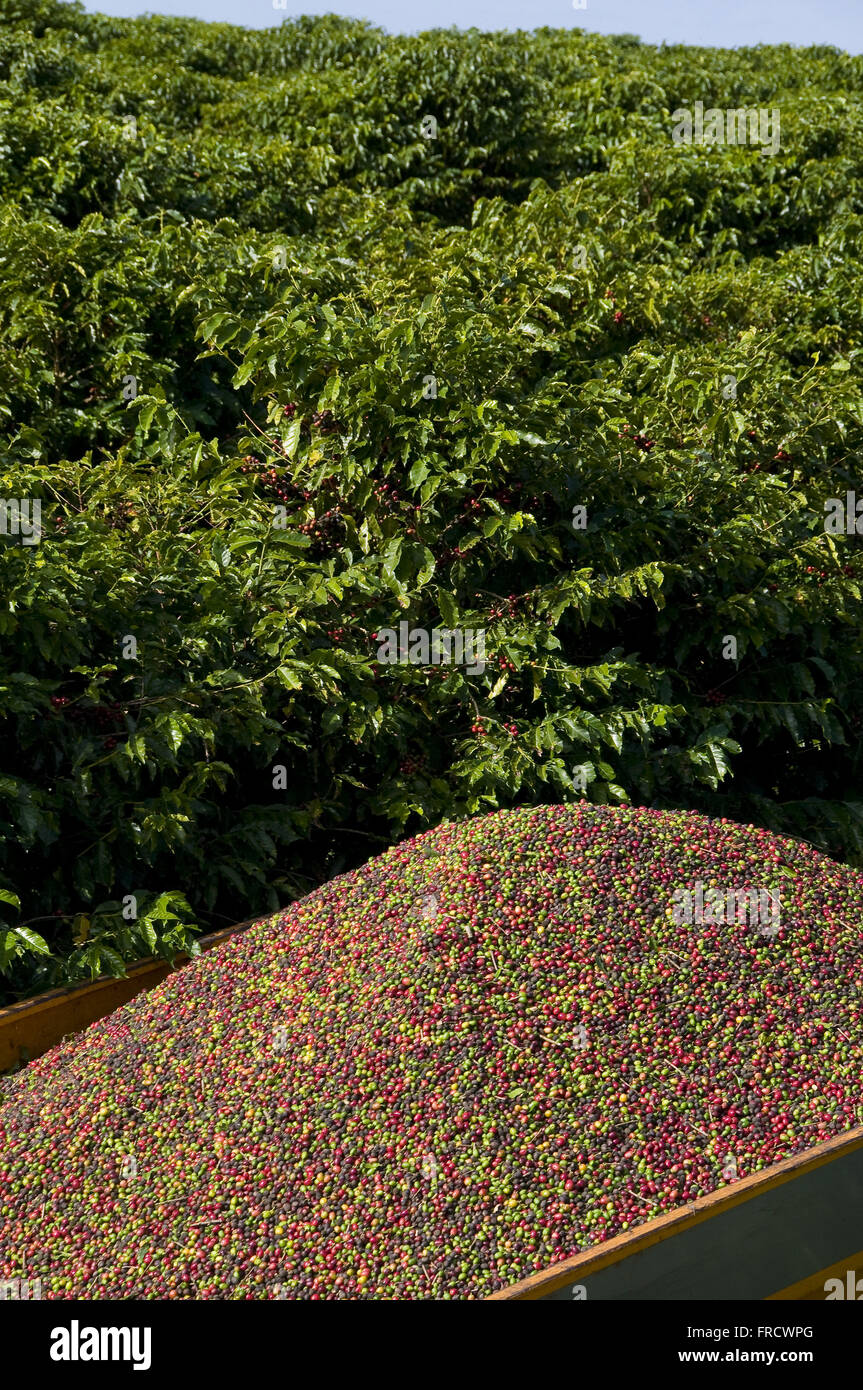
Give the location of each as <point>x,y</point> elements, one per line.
<point>291,438</point>
<point>448,609</point>
<point>112,962</point>
<point>148,931</point>
<point>32,940</point>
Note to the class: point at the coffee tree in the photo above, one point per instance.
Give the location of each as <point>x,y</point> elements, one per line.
<point>310,335</point>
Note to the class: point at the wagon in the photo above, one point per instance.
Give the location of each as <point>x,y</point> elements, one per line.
<point>791,1231</point>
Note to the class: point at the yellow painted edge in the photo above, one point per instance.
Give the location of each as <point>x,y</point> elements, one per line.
<point>812,1288</point>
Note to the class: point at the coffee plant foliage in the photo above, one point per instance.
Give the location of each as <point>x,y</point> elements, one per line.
<point>284,370</point>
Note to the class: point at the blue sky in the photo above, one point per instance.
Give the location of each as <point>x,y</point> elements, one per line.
<point>723,23</point>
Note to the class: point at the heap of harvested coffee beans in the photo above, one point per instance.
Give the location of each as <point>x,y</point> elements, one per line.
<point>494,1046</point>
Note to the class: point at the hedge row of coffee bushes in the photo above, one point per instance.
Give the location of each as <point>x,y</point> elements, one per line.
<point>236,276</point>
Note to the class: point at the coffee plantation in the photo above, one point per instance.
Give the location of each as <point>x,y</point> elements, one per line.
<point>311,331</point>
